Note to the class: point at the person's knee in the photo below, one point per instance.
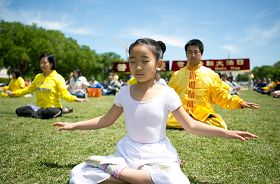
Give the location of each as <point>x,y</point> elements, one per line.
<point>80,95</point>
<point>24,111</point>
<point>19,111</point>
<point>50,113</point>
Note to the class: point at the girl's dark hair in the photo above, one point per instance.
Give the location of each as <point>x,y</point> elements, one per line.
<point>157,47</point>
<point>195,42</point>
<point>50,58</point>
<point>16,72</point>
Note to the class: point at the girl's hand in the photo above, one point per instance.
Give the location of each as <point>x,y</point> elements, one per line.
<point>250,105</point>
<point>64,126</point>
<point>243,136</point>
<point>81,100</point>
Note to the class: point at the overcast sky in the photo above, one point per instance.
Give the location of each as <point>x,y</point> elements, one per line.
<point>228,28</point>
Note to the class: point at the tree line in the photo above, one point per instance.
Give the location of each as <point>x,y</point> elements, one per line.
<point>266,71</point>
<point>260,72</point>
<point>21,45</point>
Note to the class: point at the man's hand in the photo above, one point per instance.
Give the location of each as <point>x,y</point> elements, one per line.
<point>250,105</point>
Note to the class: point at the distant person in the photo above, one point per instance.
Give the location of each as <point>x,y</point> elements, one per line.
<point>225,84</point>
<point>93,81</point>
<point>145,155</point>
<point>48,86</point>
<point>16,83</point>
<point>270,87</point>
<point>276,90</point>
<point>251,81</point>
<point>237,87</point>
<point>78,84</point>
<point>159,79</point>
<point>234,88</point>
<point>112,85</point>
<point>69,77</point>
<point>259,84</point>
<point>95,84</point>
<point>275,94</point>
<point>200,88</point>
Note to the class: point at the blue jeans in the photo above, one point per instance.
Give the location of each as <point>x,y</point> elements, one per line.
<point>79,94</point>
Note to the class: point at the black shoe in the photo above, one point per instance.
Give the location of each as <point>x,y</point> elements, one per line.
<point>66,110</point>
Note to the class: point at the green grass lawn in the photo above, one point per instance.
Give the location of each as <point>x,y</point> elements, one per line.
<point>32,151</point>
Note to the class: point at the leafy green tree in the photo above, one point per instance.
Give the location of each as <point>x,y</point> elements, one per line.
<point>265,71</point>
<point>21,45</point>
<point>104,65</point>
<point>242,77</point>
<point>277,64</point>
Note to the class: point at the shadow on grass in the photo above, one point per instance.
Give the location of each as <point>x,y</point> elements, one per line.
<point>194,180</point>
<point>178,129</point>
<point>56,165</point>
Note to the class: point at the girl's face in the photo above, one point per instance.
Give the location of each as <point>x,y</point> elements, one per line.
<point>45,65</point>
<point>142,63</point>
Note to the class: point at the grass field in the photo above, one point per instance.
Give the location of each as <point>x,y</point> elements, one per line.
<point>32,151</point>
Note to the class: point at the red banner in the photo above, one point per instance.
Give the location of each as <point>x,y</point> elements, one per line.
<point>124,66</point>
<point>214,64</point>
<point>217,64</point>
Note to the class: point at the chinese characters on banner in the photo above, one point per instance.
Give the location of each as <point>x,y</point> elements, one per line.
<point>218,64</point>
<point>214,64</point>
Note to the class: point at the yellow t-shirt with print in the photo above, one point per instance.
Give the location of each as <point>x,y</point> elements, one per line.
<point>48,90</point>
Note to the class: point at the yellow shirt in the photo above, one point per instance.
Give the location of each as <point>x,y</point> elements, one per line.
<point>131,81</point>
<point>269,87</point>
<point>48,90</point>
<point>15,84</point>
<point>199,89</point>
<point>225,86</point>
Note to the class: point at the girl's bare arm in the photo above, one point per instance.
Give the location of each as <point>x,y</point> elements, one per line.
<point>96,123</point>
<point>199,128</point>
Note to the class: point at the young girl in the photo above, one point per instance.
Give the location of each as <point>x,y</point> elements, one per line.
<point>145,154</point>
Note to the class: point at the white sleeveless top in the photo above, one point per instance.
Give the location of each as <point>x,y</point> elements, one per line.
<point>146,120</point>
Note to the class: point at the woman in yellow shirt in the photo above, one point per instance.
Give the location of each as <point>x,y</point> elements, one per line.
<point>16,83</point>
<point>49,86</point>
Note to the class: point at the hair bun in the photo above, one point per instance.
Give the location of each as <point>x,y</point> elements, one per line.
<point>162,45</point>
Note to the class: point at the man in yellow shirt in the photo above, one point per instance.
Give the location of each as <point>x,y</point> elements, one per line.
<point>16,83</point>
<point>49,86</point>
<point>200,88</point>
